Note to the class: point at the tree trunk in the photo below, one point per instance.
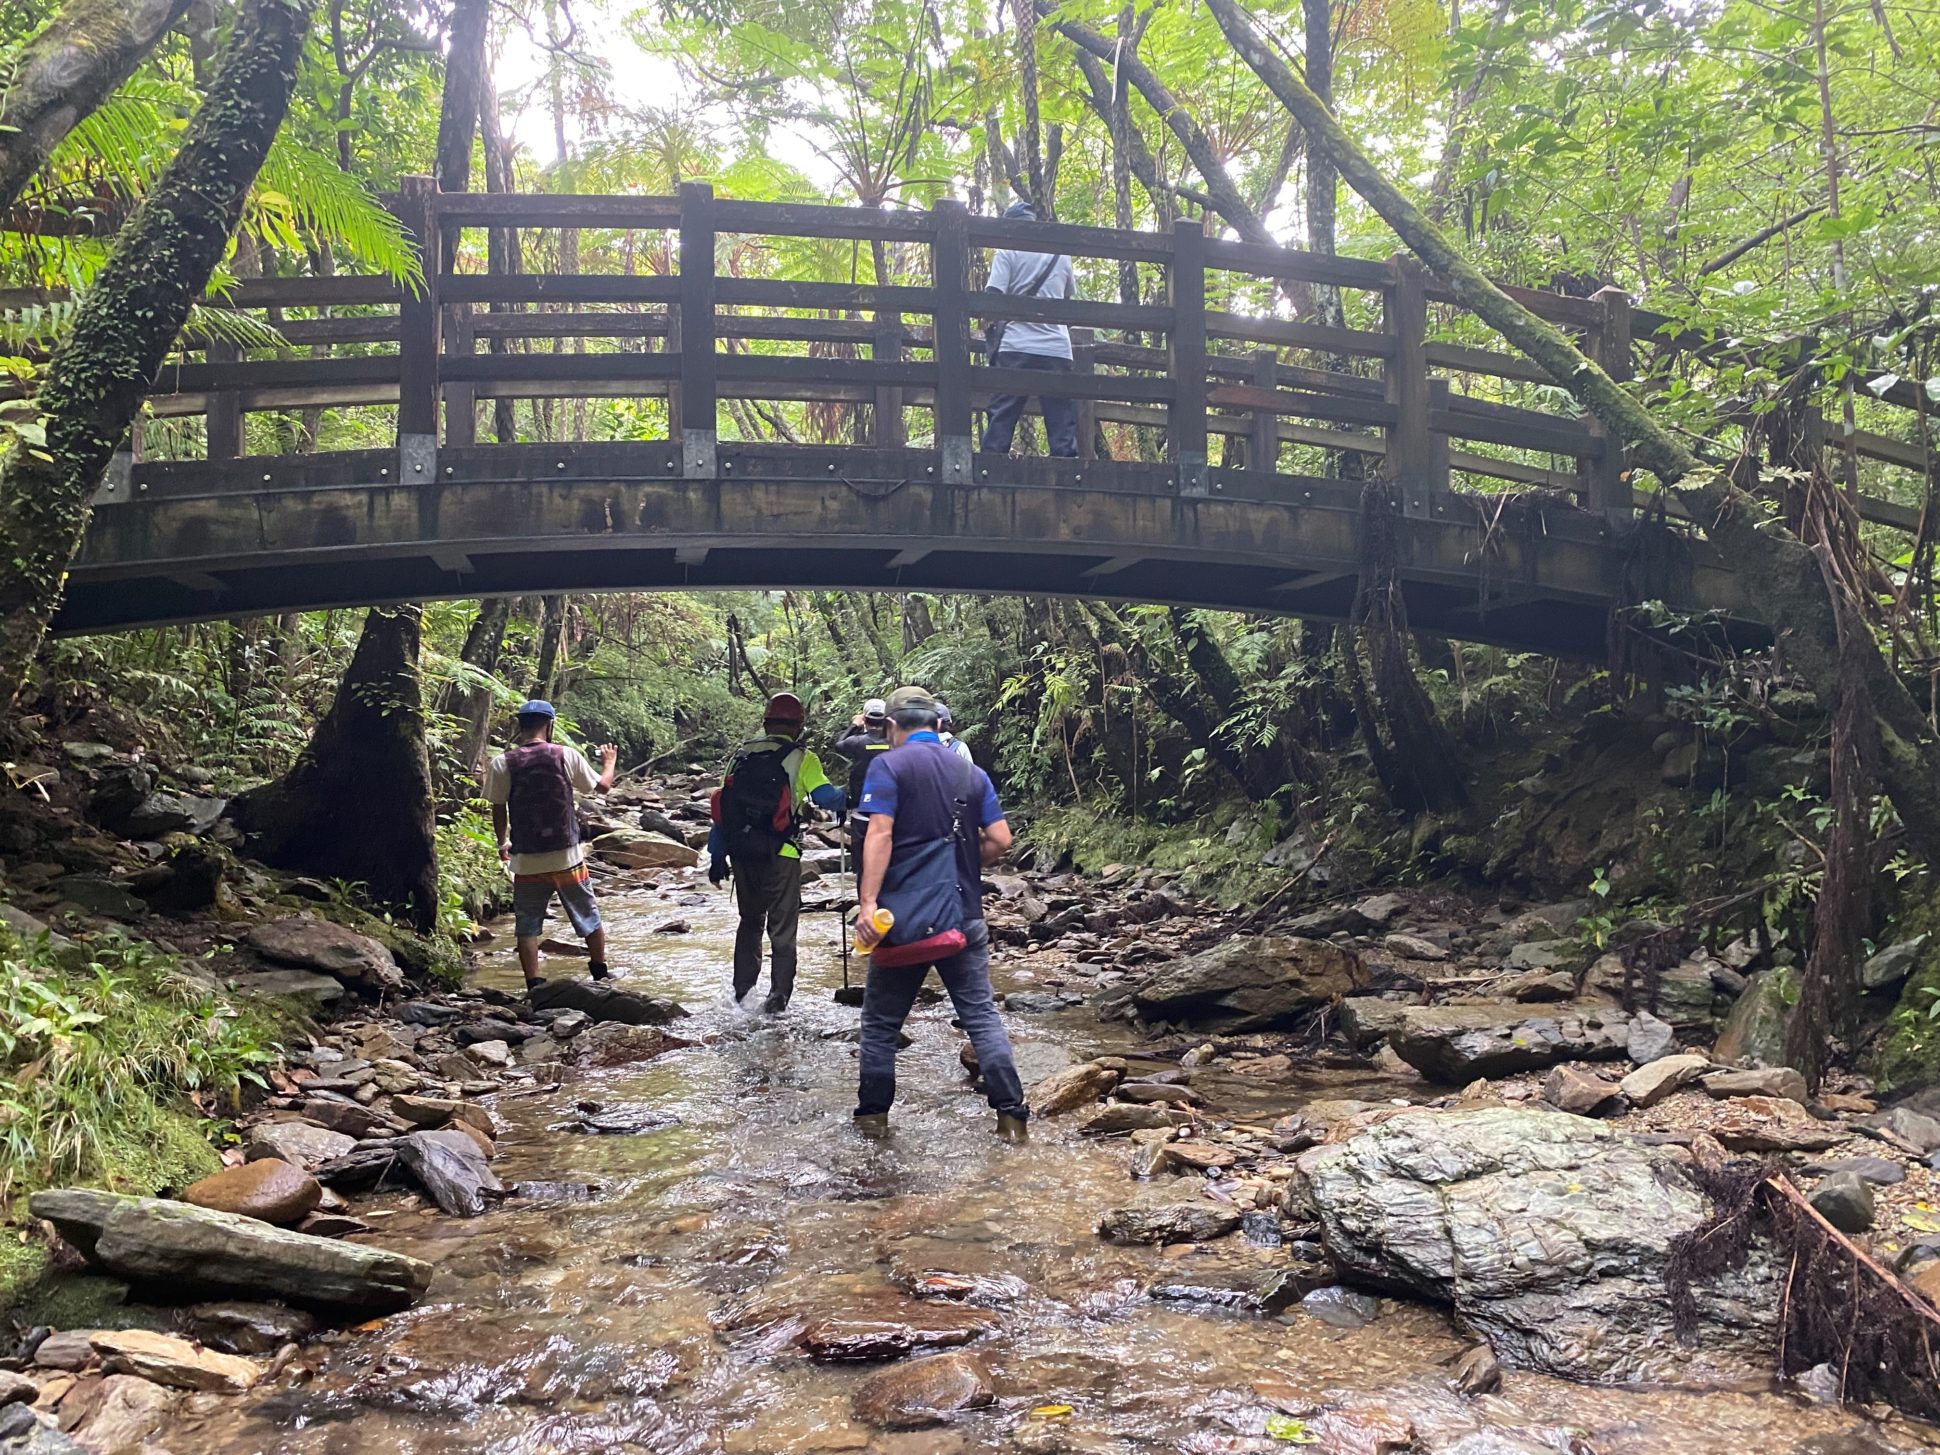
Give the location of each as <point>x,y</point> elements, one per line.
<point>503,253</point>
<point>357,804</point>
<point>552,617</point>
<point>1775,568</point>
<point>66,72</point>
<point>463,100</point>
<point>483,643</point>
<point>129,320</point>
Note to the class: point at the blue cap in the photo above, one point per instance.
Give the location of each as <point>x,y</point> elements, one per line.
<point>537,708</point>
<point>1021,209</point>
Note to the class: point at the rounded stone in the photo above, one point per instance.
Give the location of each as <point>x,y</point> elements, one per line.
<point>923,1391</point>
<point>268,1190</point>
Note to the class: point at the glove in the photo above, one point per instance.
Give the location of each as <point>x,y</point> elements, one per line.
<point>717,871</point>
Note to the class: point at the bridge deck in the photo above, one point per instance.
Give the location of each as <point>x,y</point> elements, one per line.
<point>1225,379</point>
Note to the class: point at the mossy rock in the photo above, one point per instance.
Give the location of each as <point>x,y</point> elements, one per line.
<point>1906,1053</point>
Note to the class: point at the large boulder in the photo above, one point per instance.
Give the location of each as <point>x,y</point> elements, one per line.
<point>1549,1234</point>
<point>637,849</point>
<point>315,944</point>
<point>189,1251</point>
<point>1457,1043</point>
<point>1755,1029</point>
<point>1251,982</point>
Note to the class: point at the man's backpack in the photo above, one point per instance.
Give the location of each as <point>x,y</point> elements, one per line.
<point>758,803</point>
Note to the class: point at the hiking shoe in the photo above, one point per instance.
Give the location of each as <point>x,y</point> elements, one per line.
<point>599,971</point>
<point>1013,1129</point>
<point>875,1126</point>
<point>774,1005</point>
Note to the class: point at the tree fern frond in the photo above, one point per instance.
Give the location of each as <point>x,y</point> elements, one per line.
<point>210,323</point>
<point>35,325</point>
<point>331,203</point>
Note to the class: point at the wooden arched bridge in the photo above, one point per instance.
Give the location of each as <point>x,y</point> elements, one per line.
<point>1222,381</point>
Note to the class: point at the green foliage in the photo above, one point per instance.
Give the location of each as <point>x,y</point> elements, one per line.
<point>101,1047</point>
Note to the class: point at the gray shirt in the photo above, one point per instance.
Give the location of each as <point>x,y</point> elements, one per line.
<point>1009,272</point>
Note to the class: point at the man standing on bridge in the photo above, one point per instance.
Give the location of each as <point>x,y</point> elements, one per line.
<point>758,813</point>
<point>530,787</point>
<point>1045,347</point>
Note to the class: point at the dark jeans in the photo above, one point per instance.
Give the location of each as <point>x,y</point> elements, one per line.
<point>770,896</point>
<point>886,1001</point>
<point>1060,415</point>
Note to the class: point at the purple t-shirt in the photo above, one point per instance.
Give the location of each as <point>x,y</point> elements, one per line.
<point>918,786</point>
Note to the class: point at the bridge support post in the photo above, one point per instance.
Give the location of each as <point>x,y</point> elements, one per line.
<point>1606,490</point>
<point>699,372</point>
<point>1185,421</point>
<point>224,419</point>
<point>417,379</point>
<point>950,336</point>
<point>1410,440</point>
<point>1263,435</point>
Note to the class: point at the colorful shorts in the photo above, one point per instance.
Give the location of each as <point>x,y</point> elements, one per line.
<point>532,897</point>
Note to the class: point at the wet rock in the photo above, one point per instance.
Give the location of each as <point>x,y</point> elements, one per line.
<point>100,896</point>
<point>924,1392</point>
<point>1250,982</point>
<point>1876,1170</point>
<point>1542,955</point>
<point>237,1326</point>
<point>1893,964</point>
<point>164,813</point>
<point>1911,1128</point>
<point>1377,910</point>
<point>347,1117</point>
<point>17,1388</point>
<point>604,1002</point>
<point>496,1054</point>
<point>191,1251</point>
<point>295,984</point>
<point>1455,1044</point>
<point>1157,1093</point>
<point>1755,1029</point>
<point>1116,1118</point>
<point>1844,1200</point>
<point>1201,1156</point>
<point>1365,1019</point>
<point>301,1144</point>
<point>1175,1222</point>
<point>1478,1371</point>
<point>315,944</point>
<point>1450,1205</point>
<point>1650,1084</point>
<point>1288,1284</point>
<point>1649,1039</point>
<point>173,1362</point>
<point>450,1167</point>
<point>65,1349</point>
<point>898,1328</point>
<point>1763,1081</point>
<point>436,1111</point>
<point>1033,1002</point>
<point>637,849</point>
<point>267,1189</point>
<point>1071,1088</point>
<point>1341,1308</point>
<point>1568,1089</point>
<point>1413,947</point>
<point>120,1415</point>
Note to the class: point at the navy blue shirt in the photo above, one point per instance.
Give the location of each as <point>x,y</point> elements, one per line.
<point>918,785</point>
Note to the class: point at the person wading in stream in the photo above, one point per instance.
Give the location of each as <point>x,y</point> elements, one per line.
<point>530,787</point>
<point>865,741</point>
<point>1043,347</point>
<point>758,812</point>
<point>934,823</point>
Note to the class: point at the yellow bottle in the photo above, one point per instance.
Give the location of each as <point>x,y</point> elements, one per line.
<point>882,920</point>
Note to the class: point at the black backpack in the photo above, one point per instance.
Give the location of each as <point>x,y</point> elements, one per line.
<point>757,802</point>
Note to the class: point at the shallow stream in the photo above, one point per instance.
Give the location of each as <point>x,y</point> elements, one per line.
<point>659,1316</point>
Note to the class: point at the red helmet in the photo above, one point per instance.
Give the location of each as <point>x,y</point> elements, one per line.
<point>784,708</point>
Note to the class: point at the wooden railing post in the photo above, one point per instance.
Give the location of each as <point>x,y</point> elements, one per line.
<point>417,378</point>
<point>1185,415</point>
<point>1606,491</point>
<point>224,416</point>
<point>1263,439</point>
<point>1410,440</point>
<point>699,383</point>
<point>1084,360</point>
<point>886,347</point>
<point>950,273</point>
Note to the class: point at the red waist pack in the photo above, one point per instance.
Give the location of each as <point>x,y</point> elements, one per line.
<point>924,952</point>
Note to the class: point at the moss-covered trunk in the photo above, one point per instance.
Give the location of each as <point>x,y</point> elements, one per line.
<point>1776,569</point>
<point>66,72</point>
<point>127,322</point>
<point>358,804</point>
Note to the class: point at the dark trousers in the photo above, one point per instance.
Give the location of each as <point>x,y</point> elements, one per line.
<point>770,895</point>
<point>886,1002</point>
<point>1060,415</point>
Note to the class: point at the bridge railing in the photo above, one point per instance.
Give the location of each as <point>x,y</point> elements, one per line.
<point>1225,373</point>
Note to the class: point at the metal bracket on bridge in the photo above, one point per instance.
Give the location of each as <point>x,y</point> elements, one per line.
<point>117,485</point>
<point>417,459</point>
<point>1192,475</point>
<point>698,457</point>
<point>956,459</point>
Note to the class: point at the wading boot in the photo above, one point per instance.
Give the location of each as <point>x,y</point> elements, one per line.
<point>874,1126</point>
<point>774,1005</point>
<point>599,971</point>
<point>1012,1129</point>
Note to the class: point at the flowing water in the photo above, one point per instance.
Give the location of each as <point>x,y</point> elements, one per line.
<point>660,1315</point>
